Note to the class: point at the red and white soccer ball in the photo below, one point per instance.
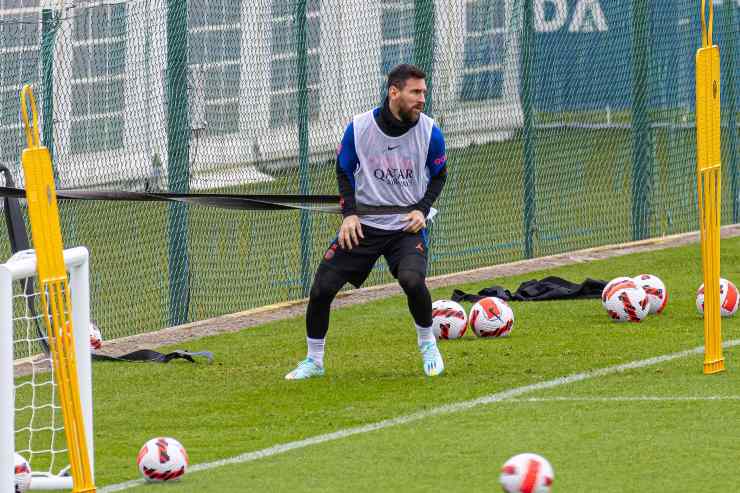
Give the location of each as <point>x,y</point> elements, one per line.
<point>22,474</point>
<point>613,285</point>
<point>728,298</point>
<point>491,317</point>
<point>625,301</point>
<point>162,459</point>
<point>527,473</point>
<point>655,290</point>
<point>96,338</point>
<point>448,319</point>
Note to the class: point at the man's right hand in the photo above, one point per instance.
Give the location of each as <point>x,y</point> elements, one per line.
<point>350,232</point>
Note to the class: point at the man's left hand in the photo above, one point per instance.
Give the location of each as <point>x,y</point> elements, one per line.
<point>415,220</point>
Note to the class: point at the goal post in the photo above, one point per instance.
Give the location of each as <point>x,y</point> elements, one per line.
<point>16,346</point>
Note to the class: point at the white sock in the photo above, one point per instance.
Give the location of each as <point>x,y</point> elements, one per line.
<point>424,334</point>
<point>316,350</point>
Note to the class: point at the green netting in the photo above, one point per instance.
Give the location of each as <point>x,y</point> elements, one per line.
<point>569,124</point>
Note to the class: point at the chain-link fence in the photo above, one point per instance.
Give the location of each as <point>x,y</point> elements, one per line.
<point>569,124</point>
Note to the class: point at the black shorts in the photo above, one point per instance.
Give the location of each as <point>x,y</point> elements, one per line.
<point>402,251</point>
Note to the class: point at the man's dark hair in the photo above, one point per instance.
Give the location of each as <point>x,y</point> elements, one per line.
<point>403,72</point>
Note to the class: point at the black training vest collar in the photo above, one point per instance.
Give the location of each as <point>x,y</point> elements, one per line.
<point>389,124</point>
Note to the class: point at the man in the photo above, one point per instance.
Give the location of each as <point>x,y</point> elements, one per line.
<point>389,156</point>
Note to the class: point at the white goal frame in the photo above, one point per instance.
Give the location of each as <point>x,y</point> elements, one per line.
<point>21,267</point>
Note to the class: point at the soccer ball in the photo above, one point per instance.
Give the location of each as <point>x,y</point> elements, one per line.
<point>655,290</point>
<point>529,473</point>
<point>96,338</point>
<point>22,474</point>
<point>448,319</point>
<point>615,284</point>
<point>627,303</point>
<point>728,298</point>
<point>162,459</point>
<point>491,317</point>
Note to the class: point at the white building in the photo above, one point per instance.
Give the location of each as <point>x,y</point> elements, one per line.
<point>109,79</point>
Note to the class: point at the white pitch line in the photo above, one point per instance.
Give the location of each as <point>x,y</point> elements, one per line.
<point>444,409</point>
<point>639,398</point>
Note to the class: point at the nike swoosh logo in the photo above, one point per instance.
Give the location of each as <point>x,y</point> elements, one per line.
<point>395,147</point>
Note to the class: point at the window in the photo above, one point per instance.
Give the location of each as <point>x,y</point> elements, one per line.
<point>98,63</point>
<point>20,38</point>
<point>214,45</point>
<point>284,70</point>
<point>397,28</point>
<point>485,50</point>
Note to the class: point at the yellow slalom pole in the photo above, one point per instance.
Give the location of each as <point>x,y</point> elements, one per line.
<point>56,302</point>
<point>709,186</point>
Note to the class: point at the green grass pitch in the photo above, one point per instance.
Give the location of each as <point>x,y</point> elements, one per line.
<point>600,434</point>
